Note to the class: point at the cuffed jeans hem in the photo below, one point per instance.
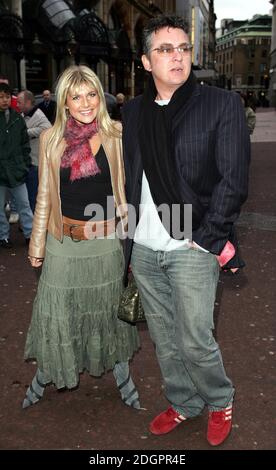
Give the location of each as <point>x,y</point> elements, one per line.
<point>184,413</point>
<point>216,408</point>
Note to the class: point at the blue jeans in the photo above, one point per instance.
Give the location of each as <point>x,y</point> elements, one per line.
<point>32,185</point>
<point>10,198</point>
<point>178,290</point>
<point>23,208</point>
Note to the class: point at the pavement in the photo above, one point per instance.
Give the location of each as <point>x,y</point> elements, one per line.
<point>92,416</point>
<point>265,130</point>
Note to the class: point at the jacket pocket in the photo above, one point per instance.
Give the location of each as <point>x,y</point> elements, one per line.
<point>17,172</point>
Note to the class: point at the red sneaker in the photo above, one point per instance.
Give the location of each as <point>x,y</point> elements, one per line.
<point>219,426</point>
<point>166,421</point>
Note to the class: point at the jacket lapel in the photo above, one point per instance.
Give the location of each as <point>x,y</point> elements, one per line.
<point>55,164</point>
<point>186,107</point>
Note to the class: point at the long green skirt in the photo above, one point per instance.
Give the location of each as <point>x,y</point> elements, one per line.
<point>74,323</point>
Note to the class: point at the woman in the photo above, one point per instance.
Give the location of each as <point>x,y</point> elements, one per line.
<point>74,324</point>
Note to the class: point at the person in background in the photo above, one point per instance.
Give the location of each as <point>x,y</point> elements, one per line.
<point>250,115</point>
<point>36,122</point>
<point>48,106</point>
<point>184,143</point>
<point>120,99</point>
<point>10,200</point>
<point>15,161</point>
<point>14,106</point>
<point>74,325</point>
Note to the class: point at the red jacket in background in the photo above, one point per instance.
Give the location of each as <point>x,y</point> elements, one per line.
<point>14,103</point>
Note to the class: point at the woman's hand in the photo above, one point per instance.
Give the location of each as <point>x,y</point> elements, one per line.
<point>35,262</point>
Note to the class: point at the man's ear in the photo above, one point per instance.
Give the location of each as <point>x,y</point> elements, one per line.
<point>146,63</point>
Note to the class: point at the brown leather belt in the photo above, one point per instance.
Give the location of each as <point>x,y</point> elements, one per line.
<point>85,230</point>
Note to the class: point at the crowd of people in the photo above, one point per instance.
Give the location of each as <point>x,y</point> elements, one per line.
<point>21,123</point>
<point>75,172</point>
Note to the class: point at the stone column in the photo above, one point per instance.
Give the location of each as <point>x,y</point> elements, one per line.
<point>16,9</point>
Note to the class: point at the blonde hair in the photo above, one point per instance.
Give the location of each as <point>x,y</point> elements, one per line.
<point>70,80</point>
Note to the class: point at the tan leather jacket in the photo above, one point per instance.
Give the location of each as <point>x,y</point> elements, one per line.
<point>48,216</point>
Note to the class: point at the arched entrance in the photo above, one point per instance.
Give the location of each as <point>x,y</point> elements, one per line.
<point>11,45</point>
<point>92,38</point>
<point>61,34</point>
<point>120,62</point>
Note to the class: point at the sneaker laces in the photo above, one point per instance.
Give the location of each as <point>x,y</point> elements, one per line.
<point>220,416</point>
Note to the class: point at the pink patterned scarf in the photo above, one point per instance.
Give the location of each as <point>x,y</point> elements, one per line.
<point>78,154</point>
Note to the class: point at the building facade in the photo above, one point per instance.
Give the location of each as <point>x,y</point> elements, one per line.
<point>243,56</point>
<point>272,87</point>
<point>39,38</point>
<point>201,17</point>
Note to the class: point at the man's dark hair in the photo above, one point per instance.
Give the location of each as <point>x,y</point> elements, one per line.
<point>159,22</point>
<point>5,88</point>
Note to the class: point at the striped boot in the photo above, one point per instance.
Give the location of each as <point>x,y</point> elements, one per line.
<point>125,384</point>
<point>35,390</point>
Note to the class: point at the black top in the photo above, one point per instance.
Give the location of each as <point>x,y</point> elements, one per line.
<point>77,195</point>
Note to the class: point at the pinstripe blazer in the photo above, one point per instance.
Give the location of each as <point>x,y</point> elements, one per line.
<point>211,148</point>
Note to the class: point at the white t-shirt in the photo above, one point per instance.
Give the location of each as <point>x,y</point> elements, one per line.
<point>150,231</point>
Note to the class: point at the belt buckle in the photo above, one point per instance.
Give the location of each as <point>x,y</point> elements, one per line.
<point>71,227</point>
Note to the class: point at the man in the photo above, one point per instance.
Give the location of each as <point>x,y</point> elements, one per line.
<point>10,204</point>
<point>48,106</point>
<point>194,148</point>
<point>14,166</point>
<point>36,122</point>
<point>120,99</point>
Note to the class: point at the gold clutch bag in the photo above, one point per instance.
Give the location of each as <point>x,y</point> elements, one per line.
<point>130,308</point>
